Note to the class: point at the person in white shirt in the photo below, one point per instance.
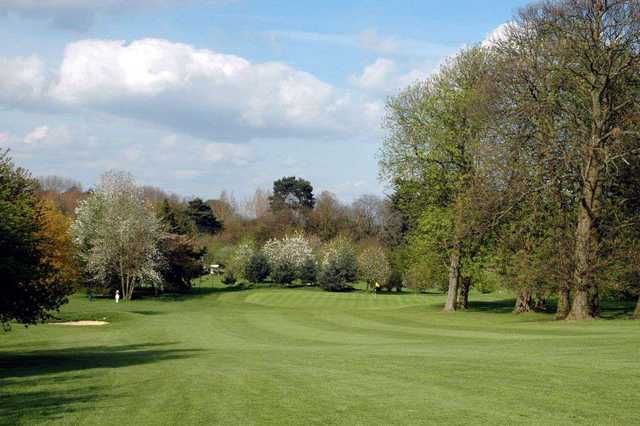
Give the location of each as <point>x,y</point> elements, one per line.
<point>117,296</point>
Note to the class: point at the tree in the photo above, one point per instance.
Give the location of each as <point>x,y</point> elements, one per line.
<point>292,193</point>
<point>118,234</point>
<point>174,218</point>
<point>203,217</point>
<point>328,218</point>
<point>575,77</point>
<point>182,262</point>
<point>367,212</point>
<point>57,246</point>
<point>437,129</point>
<point>33,280</point>
<point>288,257</point>
<point>373,267</point>
<point>240,258</point>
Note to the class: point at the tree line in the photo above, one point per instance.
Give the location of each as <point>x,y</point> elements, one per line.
<point>518,161</point>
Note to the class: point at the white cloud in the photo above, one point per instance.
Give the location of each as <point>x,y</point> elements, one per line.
<point>24,81</point>
<point>194,91</point>
<point>80,14</point>
<point>385,76</point>
<point>45,136</point>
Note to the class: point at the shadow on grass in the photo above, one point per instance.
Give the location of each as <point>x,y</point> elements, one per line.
<point>37,387</point>
<point>610,309</point>
<point>43,362</point>
<point>504,306</point>
<point>617,309</point>
<point>44,406</point>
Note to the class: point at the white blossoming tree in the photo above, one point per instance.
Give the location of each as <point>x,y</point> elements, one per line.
<point>118,234</point>
<point>288,256</point>
<point>373,267</point>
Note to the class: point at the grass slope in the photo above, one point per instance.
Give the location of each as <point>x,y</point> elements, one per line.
<point>302,356</point>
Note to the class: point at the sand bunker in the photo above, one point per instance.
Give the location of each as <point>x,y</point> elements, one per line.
<point>82,323</point>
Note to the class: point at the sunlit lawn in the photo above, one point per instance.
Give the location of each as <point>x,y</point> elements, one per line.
<point>303,356</point>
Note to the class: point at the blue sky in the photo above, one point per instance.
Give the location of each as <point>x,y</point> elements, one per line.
<point>197,97</point>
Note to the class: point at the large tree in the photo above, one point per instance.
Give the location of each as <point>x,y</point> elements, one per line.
<point>203,217</point>
<point>118,234</point>
<point>292,193</point>
<point>437,128</point>
<point>31,279</point>
<point>575,66</point>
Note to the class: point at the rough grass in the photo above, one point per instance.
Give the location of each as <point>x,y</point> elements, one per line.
<point>302,356</point>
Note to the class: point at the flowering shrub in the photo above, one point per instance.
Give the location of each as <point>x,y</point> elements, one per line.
<point>374,267</point>
<point>240,258</point>
<point>288,257</point>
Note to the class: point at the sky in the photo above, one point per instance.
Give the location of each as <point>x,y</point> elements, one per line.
<point>200,96</point>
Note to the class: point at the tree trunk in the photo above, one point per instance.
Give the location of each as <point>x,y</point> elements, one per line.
<point>586,293</point>
<point>454,280</point>
<point>636,313</point>
<point>123,286</point>
<point>564,304</point>
<point>463,299</point>
<point>523,302</point>
<point>131,285</point>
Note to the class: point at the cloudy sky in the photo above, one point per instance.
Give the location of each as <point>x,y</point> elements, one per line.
<point>197,96</point>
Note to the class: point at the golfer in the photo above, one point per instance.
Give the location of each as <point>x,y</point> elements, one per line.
<point>117,296</point>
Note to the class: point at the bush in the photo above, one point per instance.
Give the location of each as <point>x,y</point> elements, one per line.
<point>309,271</point>
<point>229,278</point>
<point>394,281</point>
<point>257,270</point>
<point>374,267</point>
<point>240,258</point>
<point>339,266</point>
<point>283,273</point>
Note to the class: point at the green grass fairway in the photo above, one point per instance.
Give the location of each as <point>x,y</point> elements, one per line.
<point>302,356</point>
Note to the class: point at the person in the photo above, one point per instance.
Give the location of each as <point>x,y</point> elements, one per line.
<point>117,296</point>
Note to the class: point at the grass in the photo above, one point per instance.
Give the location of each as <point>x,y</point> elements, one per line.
<point>302,356</point>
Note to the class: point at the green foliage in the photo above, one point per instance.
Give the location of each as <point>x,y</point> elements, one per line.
<point>339,268</point>
<point>175,218</point>
<point>239,259</point>
<point>395,281</point>
<point>309,271</point>
<point>182,262</point>
<point>202,215</point>
<point>284,273</point>
<point>292,193</point>
<point>257,270</point>
<point>31,286</point>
